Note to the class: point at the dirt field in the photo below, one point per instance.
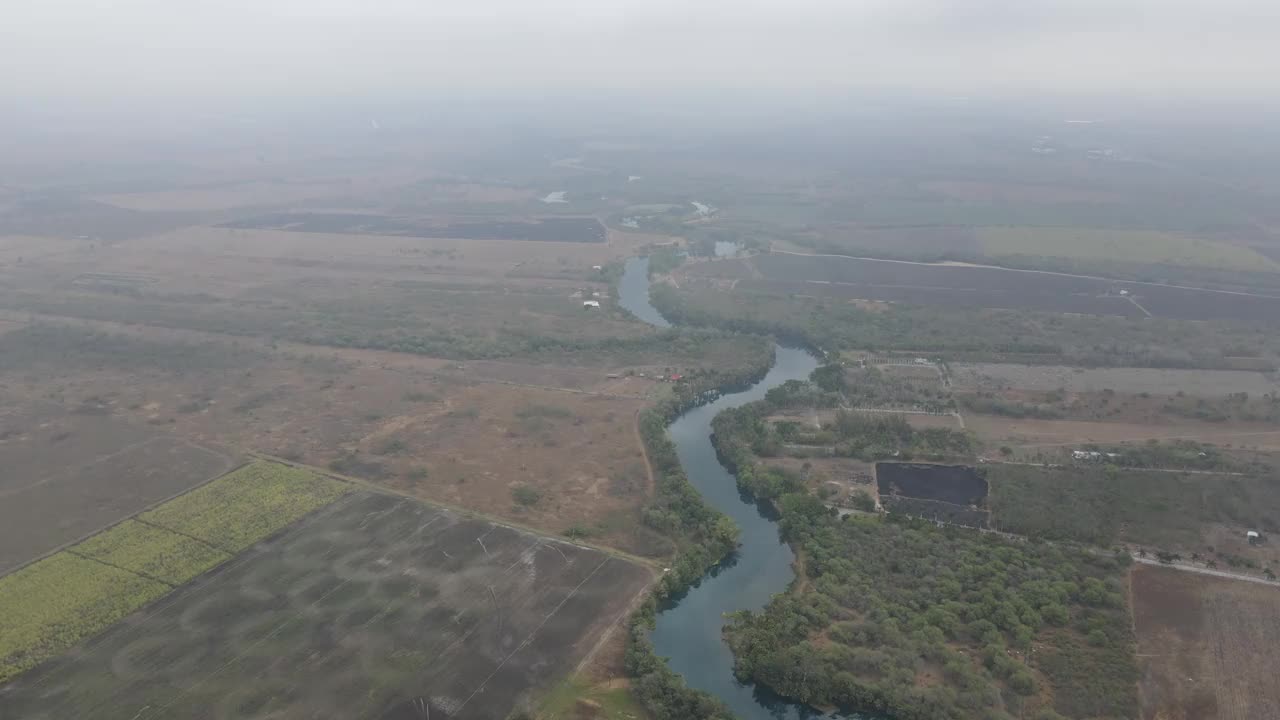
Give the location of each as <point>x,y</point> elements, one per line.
<point>996,376</point>
<point>996,431</point>
<point>377,606</point>
<point>68,474</point>
<point>554,229</point>
<point>1143,246</point>
<point>1207,647</point>
<point>983,287</point>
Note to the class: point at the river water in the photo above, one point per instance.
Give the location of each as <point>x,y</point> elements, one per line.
<point>688,631</point>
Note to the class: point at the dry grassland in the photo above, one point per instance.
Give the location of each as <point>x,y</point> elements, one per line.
<point>1207,647</point>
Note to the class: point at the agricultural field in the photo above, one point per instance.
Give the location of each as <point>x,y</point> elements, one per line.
<point>1030,435</point>
<point>70,473</point>
<point>1207,646</point>
<point>50,605</point>
<point>1154,381</point>
<point>1131,246</point>
<point>1226,406</point>
<point>567,229</point>
<point>984,287</point>
<point>376,606</point>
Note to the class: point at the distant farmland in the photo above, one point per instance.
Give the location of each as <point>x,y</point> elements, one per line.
<point>556,229</point>
<point>966,286</point>
<point>375,607</point>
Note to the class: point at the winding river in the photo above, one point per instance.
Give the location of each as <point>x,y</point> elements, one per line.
<point>688,631</point>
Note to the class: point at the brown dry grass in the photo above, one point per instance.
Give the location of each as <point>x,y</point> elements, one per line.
<point>1207,647</point>
<point>998,430</point>
<point>454,433</point>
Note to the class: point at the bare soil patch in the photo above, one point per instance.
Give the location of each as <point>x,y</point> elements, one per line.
<point>1207,647</point>
<point>997,430</point>
<point>1156,381</point>
<point>68,474</point>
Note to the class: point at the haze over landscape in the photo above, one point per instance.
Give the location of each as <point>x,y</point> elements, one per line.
<point>638,360</point>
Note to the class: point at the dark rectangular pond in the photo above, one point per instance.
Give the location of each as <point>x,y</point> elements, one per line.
<point>955,484</point>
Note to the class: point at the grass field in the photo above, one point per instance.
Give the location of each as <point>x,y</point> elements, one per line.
<point>152,552</point>
<point>54,603</point>
<point>576,699</point>
<point>241,508</point>
<point>1141,246</point>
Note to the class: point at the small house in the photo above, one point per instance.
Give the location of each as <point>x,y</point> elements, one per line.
<point>1253,537</point>
<point>591,304</point>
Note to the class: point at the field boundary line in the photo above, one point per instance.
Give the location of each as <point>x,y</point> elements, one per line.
<point>189,536</point>
<point>121,568</point>
<point>77,468</point>
<point>525,643</point>
<point>613,626</point>
<point>121,521</point>
<point>644,453</point>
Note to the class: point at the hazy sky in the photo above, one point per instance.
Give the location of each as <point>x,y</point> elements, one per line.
<point>287,48</point>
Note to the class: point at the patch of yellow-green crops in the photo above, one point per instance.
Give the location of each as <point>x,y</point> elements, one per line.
<point>152,552</point>
<point>50,605</point>
<point>251,503</point>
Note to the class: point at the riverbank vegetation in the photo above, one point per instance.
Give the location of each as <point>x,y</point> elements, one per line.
<point>703,535</point>
<point>922,623</point>
<point>971,333</point>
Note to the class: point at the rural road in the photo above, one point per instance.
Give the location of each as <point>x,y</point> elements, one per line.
<point>1208,571</point>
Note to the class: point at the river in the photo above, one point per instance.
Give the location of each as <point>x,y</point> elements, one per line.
<point>688,631</point>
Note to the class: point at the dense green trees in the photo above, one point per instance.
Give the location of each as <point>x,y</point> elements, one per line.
<point>921,622</point>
